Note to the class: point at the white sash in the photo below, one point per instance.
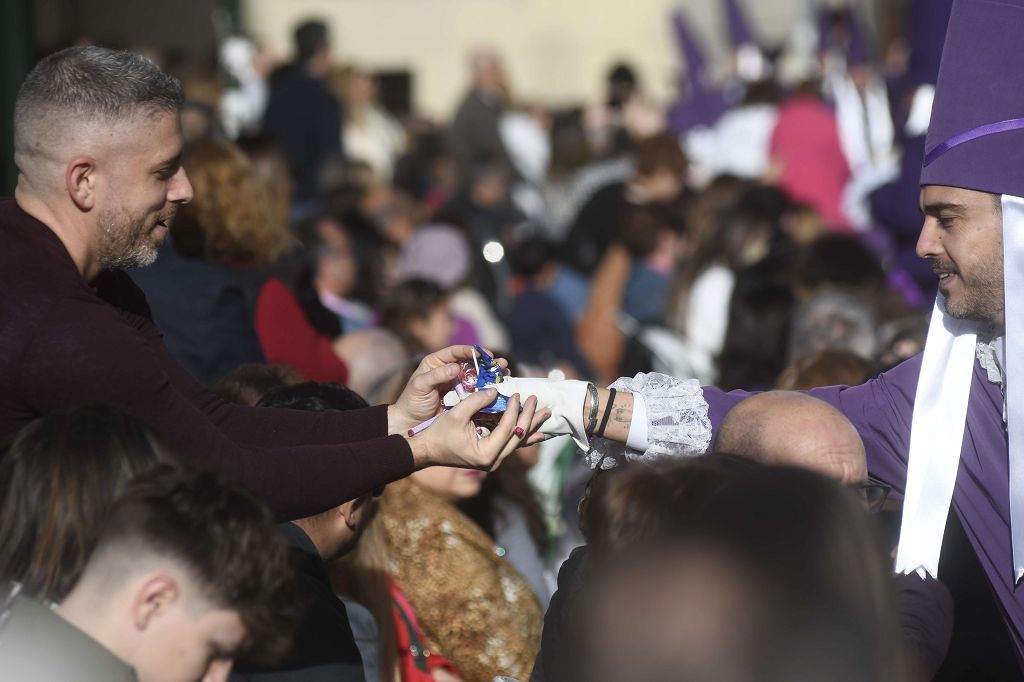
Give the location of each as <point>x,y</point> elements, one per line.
<point>936,434</point>
<point>1013,281</point>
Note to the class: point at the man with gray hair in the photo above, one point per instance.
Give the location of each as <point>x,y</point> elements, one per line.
<point>98,147</point>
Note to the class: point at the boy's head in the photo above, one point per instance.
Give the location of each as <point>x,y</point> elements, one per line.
<point>336,531</point>
<point>188,572</point>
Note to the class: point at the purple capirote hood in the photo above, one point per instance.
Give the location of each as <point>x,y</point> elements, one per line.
<point>970,143</point>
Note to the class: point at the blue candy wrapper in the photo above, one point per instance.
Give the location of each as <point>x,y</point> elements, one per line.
<point>488,372</point>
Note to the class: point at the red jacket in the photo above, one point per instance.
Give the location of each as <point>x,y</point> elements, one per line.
<point>288,338</point>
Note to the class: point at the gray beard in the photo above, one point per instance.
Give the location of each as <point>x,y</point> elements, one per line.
<point>126,243</point>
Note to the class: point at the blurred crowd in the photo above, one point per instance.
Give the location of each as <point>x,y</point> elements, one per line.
<point>757,233</point>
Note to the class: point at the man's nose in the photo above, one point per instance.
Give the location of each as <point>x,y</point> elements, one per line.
<point>180,189</point>
<point>929,244</point>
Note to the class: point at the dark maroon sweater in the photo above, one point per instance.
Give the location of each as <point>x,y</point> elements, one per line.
<point>65,343</point>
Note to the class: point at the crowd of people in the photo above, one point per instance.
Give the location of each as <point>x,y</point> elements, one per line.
<point>236,305</point>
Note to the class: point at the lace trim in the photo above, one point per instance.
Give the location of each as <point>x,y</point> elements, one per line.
<point>989,359</point>
<point>677,421</point>
<point>987,351</point>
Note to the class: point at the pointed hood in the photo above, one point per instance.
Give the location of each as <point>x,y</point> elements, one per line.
<point>976,135</point>
<point>737,25</point>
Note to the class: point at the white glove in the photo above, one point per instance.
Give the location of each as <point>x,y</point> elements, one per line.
<point>565,398</point>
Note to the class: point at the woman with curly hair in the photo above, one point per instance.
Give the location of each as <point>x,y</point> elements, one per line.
<point>202,287</point>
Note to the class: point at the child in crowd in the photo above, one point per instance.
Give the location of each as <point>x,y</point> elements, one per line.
<point>417,312</point>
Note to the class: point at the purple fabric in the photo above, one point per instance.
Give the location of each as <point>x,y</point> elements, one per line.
<point>692,52</point>
<point>928,20</point>
<point>980,83</point>
<point>881,409</point>
<point>840,31</point>
<point>737,24</point>
<point>700,103</point>
<point>465,333</point>
<point>895,208</point>
<point>972,134</point>
<point>926,619</point>
<point>437,253</point>
<point>857,51</point>
<point>701,110</point>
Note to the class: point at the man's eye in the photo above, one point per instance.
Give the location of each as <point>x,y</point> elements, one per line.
<point>946,222</point>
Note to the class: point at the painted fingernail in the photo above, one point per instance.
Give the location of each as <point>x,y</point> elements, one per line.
<point>518,431</point>
<point>479,431</point>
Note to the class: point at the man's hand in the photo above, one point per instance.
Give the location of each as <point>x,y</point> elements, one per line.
<point>421,398</point>
<point>453,439</point>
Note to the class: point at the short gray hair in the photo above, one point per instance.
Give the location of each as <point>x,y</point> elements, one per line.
<point>93,84</point>
<point>833,319</point>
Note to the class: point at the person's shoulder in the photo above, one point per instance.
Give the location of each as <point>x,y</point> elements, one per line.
<point>32,635</point>
<point>117,288</point>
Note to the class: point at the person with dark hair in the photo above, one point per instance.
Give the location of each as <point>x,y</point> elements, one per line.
<point>656,242</point>
<point>248,383</point>
<point>473,606</point>
<point>98,146</point>
<point>416,311</point>
<point>324,647</point>
<point>756,337</point>
<point>320,294</point>
<point>699,306</point>
<point>302,113</point>
<point>623,508</point>
<point>443,254</point>
<point>428,172</point>
<point>57,483</point>
<point>509,512</point>
<point>311,396</point>
<point>754,588</point>
<point>660,173</point>
<point>839,260</point>
<point>539,320</point>
<point>171,590</point>
<point>622,84</point>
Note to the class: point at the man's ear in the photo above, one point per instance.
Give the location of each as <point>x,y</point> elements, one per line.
<point>348,512</point>
<point>157,594</point>
<point>80,182</point>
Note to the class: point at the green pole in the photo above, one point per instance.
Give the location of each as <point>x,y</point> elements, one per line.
<point>15,61</point>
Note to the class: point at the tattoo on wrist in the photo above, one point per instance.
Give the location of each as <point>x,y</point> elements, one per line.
<point>621,415</point>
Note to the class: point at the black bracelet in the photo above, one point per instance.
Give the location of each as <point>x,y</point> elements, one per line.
<point>607,413</point>
<point>594,399</point>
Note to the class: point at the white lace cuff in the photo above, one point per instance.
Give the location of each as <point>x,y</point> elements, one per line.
<point>677,421</point>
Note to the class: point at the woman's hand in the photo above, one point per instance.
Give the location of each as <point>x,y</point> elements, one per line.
<point>422,396</point>
<point>454,440</point>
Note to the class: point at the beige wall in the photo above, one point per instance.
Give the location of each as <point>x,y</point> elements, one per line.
<point>556,51</point>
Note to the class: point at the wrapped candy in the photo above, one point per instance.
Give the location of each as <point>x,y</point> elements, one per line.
<point>482,373</point>
<point>488,373</point>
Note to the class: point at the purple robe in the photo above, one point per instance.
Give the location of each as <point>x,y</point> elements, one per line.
<point>881,410</point>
